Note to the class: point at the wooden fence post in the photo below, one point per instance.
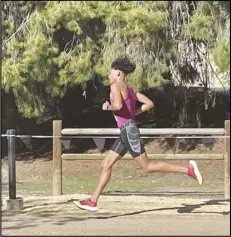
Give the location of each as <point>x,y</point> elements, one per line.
<point>57,161</point>
<point>227,161</point>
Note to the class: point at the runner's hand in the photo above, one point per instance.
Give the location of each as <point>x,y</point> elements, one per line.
<point>105,105</point>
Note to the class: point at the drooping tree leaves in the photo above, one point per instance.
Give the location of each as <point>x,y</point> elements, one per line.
<point>50,46</point>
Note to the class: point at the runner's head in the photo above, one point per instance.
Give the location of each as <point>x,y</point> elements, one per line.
<point>120,68</point>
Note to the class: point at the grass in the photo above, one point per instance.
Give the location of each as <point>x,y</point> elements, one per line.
<point>86,184</point>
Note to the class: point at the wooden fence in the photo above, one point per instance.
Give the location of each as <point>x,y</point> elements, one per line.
<point>145,132</point>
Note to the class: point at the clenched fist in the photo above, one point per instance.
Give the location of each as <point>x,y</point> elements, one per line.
<point>105,105</point>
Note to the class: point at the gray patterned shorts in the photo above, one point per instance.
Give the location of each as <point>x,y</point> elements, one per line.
<point>129,140</point>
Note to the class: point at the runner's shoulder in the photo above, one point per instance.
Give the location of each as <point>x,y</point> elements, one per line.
<point>114,86</point>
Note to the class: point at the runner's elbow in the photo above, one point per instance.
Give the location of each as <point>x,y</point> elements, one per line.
<point>150,105</point>
<point>118,106</point>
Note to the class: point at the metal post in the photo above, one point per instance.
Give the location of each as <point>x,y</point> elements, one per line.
<point>11,161</point>
<point>13,203</point>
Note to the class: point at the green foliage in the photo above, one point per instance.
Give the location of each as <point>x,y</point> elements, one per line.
<point>53,45</point>
<point>221,54</point>
<point>135,35</point>
<point>200,27</point>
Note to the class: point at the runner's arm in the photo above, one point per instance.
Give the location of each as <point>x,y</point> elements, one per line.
<point>147,104</point>
<point>117,100</point>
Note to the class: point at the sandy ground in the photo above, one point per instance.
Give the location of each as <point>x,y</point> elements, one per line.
<point>119,215</point>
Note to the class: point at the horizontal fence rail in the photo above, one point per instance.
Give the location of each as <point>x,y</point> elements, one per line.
<point>144,131</point>
<point>95,156</point>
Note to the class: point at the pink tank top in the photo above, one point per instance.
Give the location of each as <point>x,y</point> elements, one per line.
<point>127,112</point>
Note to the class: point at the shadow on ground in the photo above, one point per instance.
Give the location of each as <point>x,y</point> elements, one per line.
<point>43,213</point>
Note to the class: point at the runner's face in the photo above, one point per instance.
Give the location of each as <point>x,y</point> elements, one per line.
<point>114,76</point>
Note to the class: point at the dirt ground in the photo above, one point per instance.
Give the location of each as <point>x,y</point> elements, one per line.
<point>129,215</point>
<point>133,203</point>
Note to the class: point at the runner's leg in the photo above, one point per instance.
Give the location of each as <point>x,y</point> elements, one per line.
<point>117,151</point>
<point>136,148</point>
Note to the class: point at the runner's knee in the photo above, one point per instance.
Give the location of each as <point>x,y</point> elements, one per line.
<point>146,168</point>
<point>105,166</point>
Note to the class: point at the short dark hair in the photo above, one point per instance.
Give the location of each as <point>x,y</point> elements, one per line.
<point>124,65</point>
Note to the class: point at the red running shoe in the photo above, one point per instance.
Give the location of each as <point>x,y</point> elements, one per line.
<point>194,172</point>
<point>86,205</point>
